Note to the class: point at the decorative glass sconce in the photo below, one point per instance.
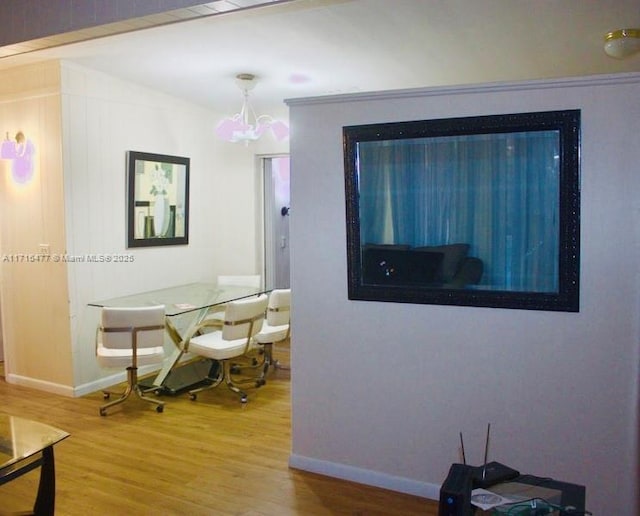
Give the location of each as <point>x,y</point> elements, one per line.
<point>20,152</point>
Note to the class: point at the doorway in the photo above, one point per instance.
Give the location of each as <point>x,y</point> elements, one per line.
<point>276,202</point>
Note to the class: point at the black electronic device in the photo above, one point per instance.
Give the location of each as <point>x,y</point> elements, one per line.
<point>493,473</point>
<point>490,473</point>
<point>455,493</point>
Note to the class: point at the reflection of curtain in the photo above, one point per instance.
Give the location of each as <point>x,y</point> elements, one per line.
<point>499,193</point>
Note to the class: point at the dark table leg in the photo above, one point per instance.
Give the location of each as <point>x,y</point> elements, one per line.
<point>45,500</point>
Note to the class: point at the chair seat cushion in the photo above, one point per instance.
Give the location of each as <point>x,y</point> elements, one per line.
<point>212,345</point>
<point>121,358</point>
<point>270,334</point>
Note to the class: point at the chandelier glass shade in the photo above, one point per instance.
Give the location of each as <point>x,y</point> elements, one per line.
<point>246,126</point>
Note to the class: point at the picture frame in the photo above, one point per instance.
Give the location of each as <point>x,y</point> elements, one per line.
<point>471,211</point>
<point>157,199</point>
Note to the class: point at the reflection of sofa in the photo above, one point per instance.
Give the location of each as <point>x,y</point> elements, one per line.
<point>446,266</point>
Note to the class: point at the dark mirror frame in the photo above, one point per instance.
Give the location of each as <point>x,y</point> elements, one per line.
<point>149,199</point>
<point>565,297</point>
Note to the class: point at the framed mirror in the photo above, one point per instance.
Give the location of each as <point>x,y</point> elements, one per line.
<point>157,199</point>
<point>476,211</point>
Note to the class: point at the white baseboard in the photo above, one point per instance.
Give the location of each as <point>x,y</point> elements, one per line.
<point>40,385</point>
<point>365,476</point>
<point>80,390</point>
<point>111,380</point>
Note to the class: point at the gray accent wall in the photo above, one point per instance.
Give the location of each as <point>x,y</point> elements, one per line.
<point>380,391</point>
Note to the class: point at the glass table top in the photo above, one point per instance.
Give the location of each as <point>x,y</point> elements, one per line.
<point>21,438</point>
<point>182,299</point>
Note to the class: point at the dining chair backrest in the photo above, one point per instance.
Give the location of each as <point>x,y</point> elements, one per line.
<point>279,308</point>
<point>121,327</point>
<point>240,281</point>
<point>243,318</point>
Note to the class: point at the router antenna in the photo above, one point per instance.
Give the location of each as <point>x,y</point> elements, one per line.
<point>486,452</point>
<point>464,458</point>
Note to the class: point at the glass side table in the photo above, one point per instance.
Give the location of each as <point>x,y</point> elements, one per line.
<point>24,446</point>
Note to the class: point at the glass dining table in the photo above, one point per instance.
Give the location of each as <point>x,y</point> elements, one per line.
<point>185,307</point>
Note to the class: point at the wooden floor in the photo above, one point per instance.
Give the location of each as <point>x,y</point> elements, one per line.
<point>211,456</point>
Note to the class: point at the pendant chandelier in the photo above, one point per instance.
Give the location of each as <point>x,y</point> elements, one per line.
<point>245,126</point>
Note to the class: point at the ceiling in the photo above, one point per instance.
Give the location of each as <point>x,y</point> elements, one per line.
<point>324,47</point>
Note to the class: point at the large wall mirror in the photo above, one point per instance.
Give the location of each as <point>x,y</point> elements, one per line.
<point>476,211</point>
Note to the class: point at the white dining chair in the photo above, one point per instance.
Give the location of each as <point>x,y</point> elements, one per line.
<point>242,320</point>
<point>128,338</point>
<point>276,327</point>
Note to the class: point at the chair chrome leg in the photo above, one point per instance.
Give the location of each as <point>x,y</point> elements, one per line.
<point>270,361</point>
<point>230,385</point>
<point>278,365</point>
<point>255,363</point>
<point>141,394</point>
<point>226,376</point>
<point>268,356</point>
<point>258,379</point>
<point>132,386</point>
<point>122,398</point>
<point>267,361</point>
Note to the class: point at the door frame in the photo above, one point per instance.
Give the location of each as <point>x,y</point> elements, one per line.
<point>268,240</point>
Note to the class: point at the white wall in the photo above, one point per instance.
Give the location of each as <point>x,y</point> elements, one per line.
<point>103,117</point>
<point>381,390</point>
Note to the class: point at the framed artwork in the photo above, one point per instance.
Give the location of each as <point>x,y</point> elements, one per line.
<point>476,211</point>
<point>157,200</point>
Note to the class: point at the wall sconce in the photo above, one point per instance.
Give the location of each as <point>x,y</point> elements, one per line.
<point>20,152</point>
<point>622,43</point>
